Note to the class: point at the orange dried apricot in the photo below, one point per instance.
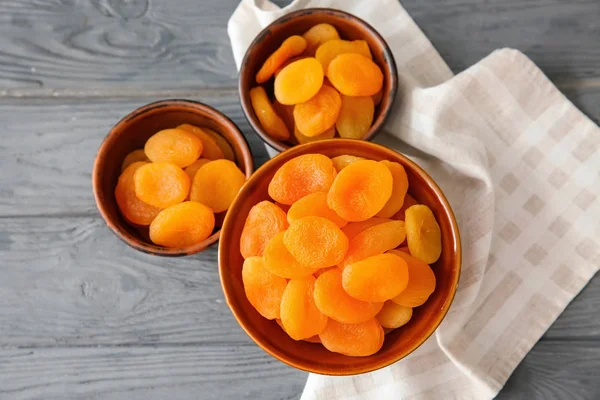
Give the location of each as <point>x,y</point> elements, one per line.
<point>175,146</point>
<point>222,143</point>
<point>211,150</point>
<point>375,240</point>
<point>299,81</point>
<point>300,316</point>
<point>314,204</point>
<point>288,62</point>
<point>360,190</point>
<point>321,271</point>
<point>269,120</point>
<point>134,156</point>
<point>340,162</point>
<point>409,201</point>
<point>216,184</point>
<point>161,184</point>
<point>356,117</point>
<point>333,301</point>
<point>264,221</point>
<point>423,234</point>
<point>317,35</point>
<point>402,249</point>
<point>286,113</point>
<point>356,340</point>
<point>264,289</point>
<point>421,283</point>
<point>313,339</point>
<point>354,228</point>
<point>355,75</point>
<point>279,261</point>
<point>377,97</point>
<point>331,49</point>
<point>319,113</point>
<point>316,242</point>
<point>133,209</point>
<point>302,175</point>
<point>292,46</point>
<point>191,169</point>
<point>182,225</point>
<point>377,279</point>
<point>393,315</point>
<point>328,134</point>
<point>394,204</point>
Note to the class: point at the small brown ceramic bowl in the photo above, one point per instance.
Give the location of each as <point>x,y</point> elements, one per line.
<point>130,134</point>
<point>296,23</point>
<point>314,357</point>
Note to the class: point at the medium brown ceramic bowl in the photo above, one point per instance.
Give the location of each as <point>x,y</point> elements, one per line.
<point>296,23</point>
<point>130,134</point>
<point>314,357</point>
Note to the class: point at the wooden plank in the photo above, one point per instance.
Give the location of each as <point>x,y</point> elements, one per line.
<point>147,373</point>
<point>53,145</point>
<point>71,282</point>
<point>109,47</point>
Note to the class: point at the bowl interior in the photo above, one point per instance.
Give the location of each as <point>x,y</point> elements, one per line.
<point>296,23</point>
<point>314,357</point>
<point>130,134</point>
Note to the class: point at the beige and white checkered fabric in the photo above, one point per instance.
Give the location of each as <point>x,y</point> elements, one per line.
<point>520,166</point>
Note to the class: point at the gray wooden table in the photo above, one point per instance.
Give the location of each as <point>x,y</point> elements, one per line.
<point>83,316</point>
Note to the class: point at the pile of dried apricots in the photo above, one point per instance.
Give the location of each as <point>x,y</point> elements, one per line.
<point>341,253</point>
<point>323,84</point>
<point>176,184</point>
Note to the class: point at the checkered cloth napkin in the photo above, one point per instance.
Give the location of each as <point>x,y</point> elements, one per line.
<point>520,166</point>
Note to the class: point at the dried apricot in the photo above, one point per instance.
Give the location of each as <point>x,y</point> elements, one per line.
<point>216,184</point>
<point>409,201</point>
<point>342,161</point>
<point>182,225</point>
<point>329,50</point>
<point>286,113</point>
<point>401,249</point>
<point>211,150</point>
<point>161,184</point>
<point>319,113</point>
<point>393,315</point>
<point>328,134</point>
<point>423,234</point>
<point>288,62</point>
<point>333,301</point>
<point>269,120</point>
<point>356,117</point>
<point>377,279</point>
<point>222,143</point>
<point>356,340</point>
<point>134,156</point>
<point>317,35</point>
<point>314,204</point>
<point>394,204</point>
<point>355,75</point>
<point>421,283</point>
<point>321,271</point>
<point>354,228</point>
<point>375,240</point>
<point>264,289</point>
<point>299,81</point>
<point>316,242</point>
<point>264,221</point>
<point>302,175</point>
<point>300,316</point>
<point>360,190</point>
<point>279,261</point>
<point>191,169</point>
<point>292,46</point>
<point>313,339</point>
<point>175,146</point>
<point>133,209</point>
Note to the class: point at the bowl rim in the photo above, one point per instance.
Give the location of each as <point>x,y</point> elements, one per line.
<point>387,54</point>
<point>230,219</point>
<point>118,129</point>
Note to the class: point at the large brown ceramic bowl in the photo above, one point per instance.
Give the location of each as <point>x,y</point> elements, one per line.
<point>296,23</point>
<point>314,357</point>
<point>130,134</point>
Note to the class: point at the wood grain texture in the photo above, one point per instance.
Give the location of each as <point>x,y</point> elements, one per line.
<point>116,46</point>
<point>49,148</point>
<point>71,282</point>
